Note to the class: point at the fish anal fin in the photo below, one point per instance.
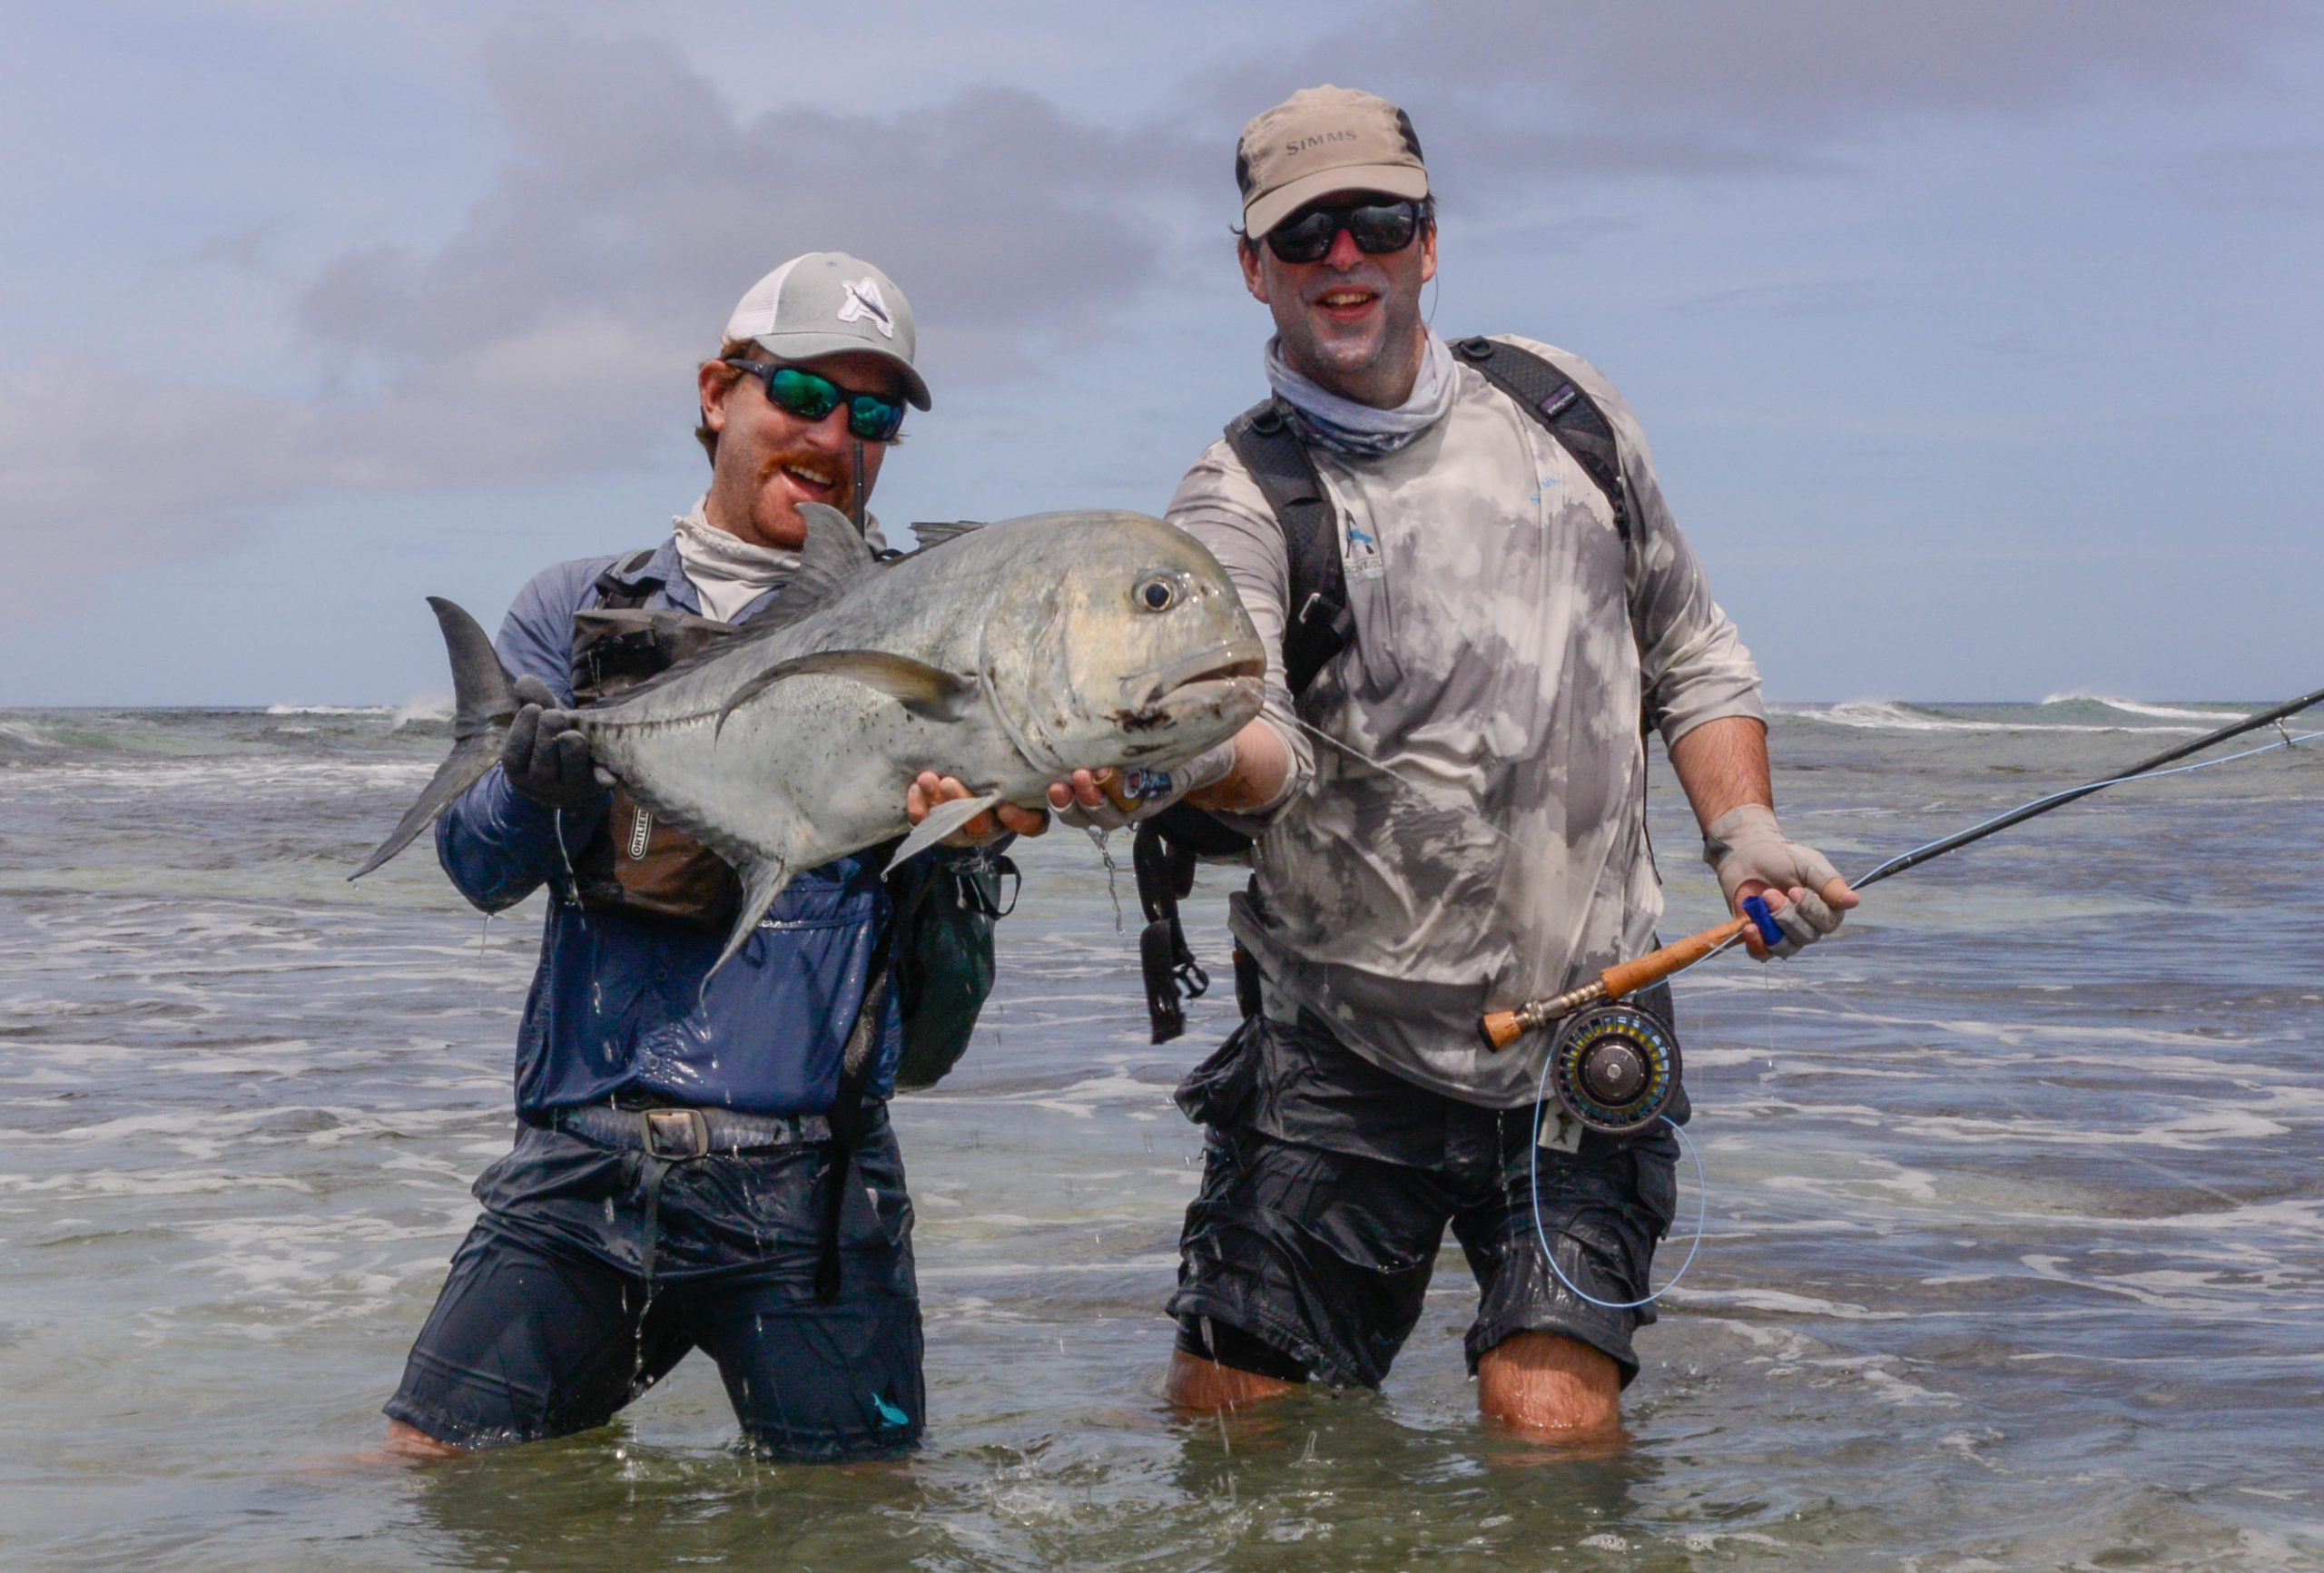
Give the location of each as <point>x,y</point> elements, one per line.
<point>763,880</point>
<point>942,821</point>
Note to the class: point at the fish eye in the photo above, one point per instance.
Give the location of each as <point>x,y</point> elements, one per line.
<point>1160,592</point>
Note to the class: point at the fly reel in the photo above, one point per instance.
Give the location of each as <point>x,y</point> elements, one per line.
<point>1614,1069</point>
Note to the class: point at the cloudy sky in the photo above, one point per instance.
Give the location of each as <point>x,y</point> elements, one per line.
<point>1981,341</point>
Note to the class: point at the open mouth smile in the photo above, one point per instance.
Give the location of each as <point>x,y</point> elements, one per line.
<point>816,482</point>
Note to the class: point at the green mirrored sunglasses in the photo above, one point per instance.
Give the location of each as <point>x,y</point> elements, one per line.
<point>873,417</point>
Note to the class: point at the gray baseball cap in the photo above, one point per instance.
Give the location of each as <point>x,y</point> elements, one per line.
<point>1319,141</point>
<point>827,303</point>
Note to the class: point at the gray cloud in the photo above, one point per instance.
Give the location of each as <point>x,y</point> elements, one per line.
<point>636,206</point>
<point>1788,67</point>
<point>554,334</point>
<point>1595,90</point>
<point>550,334</point>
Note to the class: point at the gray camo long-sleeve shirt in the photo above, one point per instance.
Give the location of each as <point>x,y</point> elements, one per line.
<point>1503,644</point>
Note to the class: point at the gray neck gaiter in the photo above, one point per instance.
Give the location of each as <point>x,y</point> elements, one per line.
<point>1360,430</point>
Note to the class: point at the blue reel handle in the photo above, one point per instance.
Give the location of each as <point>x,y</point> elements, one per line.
<point>1756,909</point>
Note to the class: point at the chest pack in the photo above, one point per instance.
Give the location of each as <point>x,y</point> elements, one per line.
<point>1318,627</point>
<point>636,864</point>
<point>939,954</point>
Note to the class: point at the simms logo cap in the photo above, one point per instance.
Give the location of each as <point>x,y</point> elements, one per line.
<point>1323,140</point>
<point>826,303</point>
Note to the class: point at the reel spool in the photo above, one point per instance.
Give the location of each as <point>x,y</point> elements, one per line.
<point>1614,1069</point>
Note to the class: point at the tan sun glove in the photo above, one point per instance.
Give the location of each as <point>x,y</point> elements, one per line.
<point>1743,844</point>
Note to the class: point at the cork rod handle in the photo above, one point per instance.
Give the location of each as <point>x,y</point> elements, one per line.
<point>1629,976</point>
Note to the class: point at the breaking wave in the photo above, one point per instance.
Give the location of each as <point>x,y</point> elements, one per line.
<point>20,737</point>
<point>2219,717</point>
<point>431,714</point>
<point>1891,715</point>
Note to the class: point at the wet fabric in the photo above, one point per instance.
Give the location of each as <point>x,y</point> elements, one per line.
<point>545,1326</point>
<point>619,1004</point>
<point>1328,1185</point>
<point>1505,643</point>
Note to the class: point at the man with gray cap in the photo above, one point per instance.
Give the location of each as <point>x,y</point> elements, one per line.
<point>1510,595</point>
<point>702,1161</point>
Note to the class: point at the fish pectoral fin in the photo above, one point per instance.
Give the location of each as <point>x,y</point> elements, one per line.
<point>942,821</point>
<point>762,881</point>
<point>926,690</point>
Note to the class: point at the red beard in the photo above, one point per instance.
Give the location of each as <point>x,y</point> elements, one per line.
<point>843,494</point>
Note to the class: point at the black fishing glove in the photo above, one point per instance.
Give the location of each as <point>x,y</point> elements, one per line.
<point>546,759</point>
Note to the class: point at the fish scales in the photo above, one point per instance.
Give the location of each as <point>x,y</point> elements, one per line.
<point>1007,655</point>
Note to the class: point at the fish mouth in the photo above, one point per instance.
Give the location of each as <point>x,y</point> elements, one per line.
<point>1218,666</point>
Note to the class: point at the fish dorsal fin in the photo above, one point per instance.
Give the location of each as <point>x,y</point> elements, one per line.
<point>935,532</point>
<point>926,690</point>
<point>833,557</point>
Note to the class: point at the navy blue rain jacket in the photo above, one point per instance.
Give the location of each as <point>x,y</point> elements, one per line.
<point>616,1004</point>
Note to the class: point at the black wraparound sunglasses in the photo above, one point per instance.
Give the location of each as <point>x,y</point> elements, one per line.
<point>1377,226</point>
<point>873,417</point>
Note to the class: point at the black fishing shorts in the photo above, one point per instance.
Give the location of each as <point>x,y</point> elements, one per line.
<point>1326,1187</point>
<point>533,1336</point>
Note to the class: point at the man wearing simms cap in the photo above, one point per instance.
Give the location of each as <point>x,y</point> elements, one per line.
<point>684,1175</point>
<point>1496,592</point>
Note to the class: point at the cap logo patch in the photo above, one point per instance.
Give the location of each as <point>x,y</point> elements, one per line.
<point>864,303</point>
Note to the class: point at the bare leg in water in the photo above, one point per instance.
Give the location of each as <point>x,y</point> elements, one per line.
<point>1540,1382</point>
<point>1550,1385</point>
<point>409,1441</point>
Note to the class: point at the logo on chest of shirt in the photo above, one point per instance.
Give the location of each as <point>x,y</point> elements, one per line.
<point>1360,555</point>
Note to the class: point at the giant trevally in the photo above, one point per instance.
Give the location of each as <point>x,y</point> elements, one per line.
<point>1006,654</point>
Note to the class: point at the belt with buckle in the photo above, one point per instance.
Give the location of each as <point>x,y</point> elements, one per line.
<point>674,1133</point>
<point>679,1134</point>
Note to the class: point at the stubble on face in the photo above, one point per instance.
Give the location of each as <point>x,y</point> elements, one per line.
<point>791,476</point>
<point>1350,322</point>
<point>770,462</point>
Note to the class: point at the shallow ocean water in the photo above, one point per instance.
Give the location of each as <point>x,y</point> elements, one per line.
<point>2014,1254</point>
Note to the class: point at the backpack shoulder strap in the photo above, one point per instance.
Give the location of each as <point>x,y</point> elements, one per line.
<point>1317,624</point>
<point>1564,409</point>
<point>615,593</point>
<point>1573,417</point>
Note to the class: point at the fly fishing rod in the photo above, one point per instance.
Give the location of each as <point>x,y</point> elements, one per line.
<point>1615,1069</point>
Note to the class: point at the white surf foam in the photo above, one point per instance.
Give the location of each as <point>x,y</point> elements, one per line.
<point>22,734</point>
<point>1890,715</point>
<point>431,709</point>
<point>2136,707</point>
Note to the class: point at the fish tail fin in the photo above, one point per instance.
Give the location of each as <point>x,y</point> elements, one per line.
<point>483,702</point>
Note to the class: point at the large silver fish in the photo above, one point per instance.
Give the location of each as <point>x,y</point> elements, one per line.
<point>1008,655</point>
